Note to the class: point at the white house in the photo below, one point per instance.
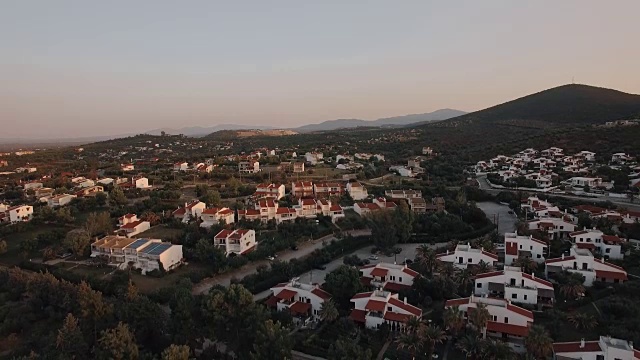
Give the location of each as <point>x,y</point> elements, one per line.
<point>403,194</point>
<point>130,225</point>
<point>585,181</point>
<point>272,190</point>
<point>581,261</point>
<point>606,348</point>
<point>248,167</point>
<point>212,216</point>
<point>237,242</point>
<point>140,182</point>
<point>302,188</point>
<point>190,210</point>
<point>508,322</point>
<point>27,169</point>
<point>327,189</point>
<point>60,200</point>
<point>390,277</point>
<point>608,246</point>
<point>19,213</point>
<point>357,191</point>
<point>514,285</point>
<point>586,155</point>
<point>313,157</point>
<point>555,228</point>
<point>303,301</point>
<point>517,246</point>
<point>127,167</point>
<point>372,309</point>
<point>464,256</point>
<point>621,157</point>
<point>181,166</point>
<point>33,185</point>
<point>144,254</point>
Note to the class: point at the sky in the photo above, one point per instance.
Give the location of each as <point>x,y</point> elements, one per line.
<point>94,68</point>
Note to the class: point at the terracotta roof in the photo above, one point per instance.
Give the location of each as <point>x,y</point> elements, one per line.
<point>395,287</point>
<point>489,274</point>
<point>223,234</point>
<point>511,329</point>
<point>285,211</point>
<point>569,347</point>
<point>286,294</point>
<point>362,295</point>
<point>566,258</point>
<point>272,301</point>
<point>611,239</point>
<point>127,216</point>
<point>392,316</point>
<point>379,272</point>
<point>321,294</point>
<point>366,281</point>
<point>210,211</point>
<point>406,307</point>
<point>358,315</point>
<point>249,212</point>
<point>335,208</point>
<point>578,232</point>
<point>519,310</point>
<point>299,307</point>
<point>614,275</point>
<point>588,246</point>
<point>131,225</point>
<point>375,305</point>
<point>410,272</point>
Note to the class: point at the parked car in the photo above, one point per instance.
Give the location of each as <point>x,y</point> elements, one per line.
<point>373,257</point>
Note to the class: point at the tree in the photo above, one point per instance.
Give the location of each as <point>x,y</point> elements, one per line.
<point>427,257</point>
<point>272,342</point>
<point>464,278</point>
<point>497,350</point>
<point>526,264</point>
<point>117,197</point>
<point>453,319</point>
<point>64,216</point>
<point>77,240</point>
<point>101,198</point>
<point>571,284</point>
<point>483,267</point>
<point>176,352</point>
<point>70,340</point>
<point>479,318</point>
<point>538,342</point>
<point>117,344</point>
<point>92,305</point>
<point>432,335</point>
<point>201,190</point>
<point>470,345</point>
<point>151,217</point>
<point>383,231</point>
<point>582,321</point>
<point>411,342</point>
<point>403,221</point>
<point>98,223</point>
<point>329,311</point>
<point>347,350</point>
<point>343,283</point>
<point>211,198</point>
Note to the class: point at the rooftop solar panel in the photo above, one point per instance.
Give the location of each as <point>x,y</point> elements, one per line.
<point>138,243</point>
<point>156,249</point>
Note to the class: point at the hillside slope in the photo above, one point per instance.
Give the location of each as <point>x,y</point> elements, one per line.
<point>559,106</point>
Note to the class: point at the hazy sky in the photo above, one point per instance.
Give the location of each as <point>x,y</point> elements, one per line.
<point>83,68</point>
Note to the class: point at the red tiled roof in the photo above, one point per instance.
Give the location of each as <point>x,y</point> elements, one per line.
<point>286,294</point>
<point>569,347</point>
<point>578,233</point>
<point>223,234</point>
<point>410,272</point>
<point>281,285</point>
<point>393,316</point>
<point>366,281</point>
<point>249,212</point>
<point>299,307</point>
<point>362,295</point>
<point>406,307</point>
<point>614,275</point>
<point>358,315</point>
<point>375,305</point>
<point>210,211</point>
<point>611,239</point>
<point>566,258</point>
<point>519,310</point>
<point>131,225</point>
<point>272,301</point>
<point>395,287</point>
<point>321,294</point>
<point>510,329</point>
<point>588,246</point>
<point>335,208</point>
<point>489,274</point>
<point>379,272</point>
<point>285,211</point>
<point>127,216</point>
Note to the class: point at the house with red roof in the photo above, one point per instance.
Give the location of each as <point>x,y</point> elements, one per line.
<point>328,189</point>
<point>372,309</point>
<point>357,191</point>
<point>237,242</point>
<point>189,211</point>
<point>605,348</point>
<point>554,228</point>
<point>270,190</point>
<point>609,246</point>
<point>507,321</point>
<point>518,246</point>
<point>307,208</point>
<point>583,262</point>
<point>213,216</point>
<point>303,301</point>
<point>464,256</point>
<point>129,225</point>
<point>15,214</point>
<point>302,188</point>
<point>514,285</point>
<point>390,277</point>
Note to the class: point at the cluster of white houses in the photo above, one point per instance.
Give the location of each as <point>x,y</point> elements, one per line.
<point>144,254</point>
<point>15,214</point>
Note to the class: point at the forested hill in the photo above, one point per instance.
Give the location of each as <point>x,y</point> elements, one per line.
<point>564,105</point>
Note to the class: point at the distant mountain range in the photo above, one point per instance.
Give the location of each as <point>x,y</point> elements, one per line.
<point>201,130</point>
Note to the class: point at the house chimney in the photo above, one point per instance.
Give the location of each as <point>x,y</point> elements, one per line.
<point>405,300</point>
<point>562,256</point>
<point>533,275</point>
<point>582,343</point>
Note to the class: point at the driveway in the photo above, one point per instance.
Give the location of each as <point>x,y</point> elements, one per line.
<point>304,249</point>
<point>500,214</point>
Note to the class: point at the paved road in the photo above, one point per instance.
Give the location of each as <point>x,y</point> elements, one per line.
<point>317,276</point>
<point>285,255</point>
<point>484,185</point>
<point>500,213</point>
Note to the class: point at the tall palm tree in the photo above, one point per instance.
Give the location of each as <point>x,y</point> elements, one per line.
<point>413,325</point>
<point>411,342</point>
<point>582,321</point>
<point>483,267</point>
<point>329,311</point>
<point>431,336</point>
<point>470,345</point>
<point>446,269</point>
<point>497,350</point>
<point>538,342</point>
<point>463,278</point>
<point>453,319</point>
<point>479,317</point>
<point>427,257</point>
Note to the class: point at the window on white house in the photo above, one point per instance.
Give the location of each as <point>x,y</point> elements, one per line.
<point>400,279</point>
<point>607,250</point>
<point>388,308</point>
<point>479,285</point>
<point>525,297</point>
<point>514,296</point>
<point>506,320</point>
